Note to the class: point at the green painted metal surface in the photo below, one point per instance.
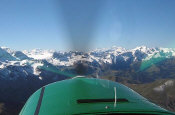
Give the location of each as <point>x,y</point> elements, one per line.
<point>60,98</point>
<point>30,106</point>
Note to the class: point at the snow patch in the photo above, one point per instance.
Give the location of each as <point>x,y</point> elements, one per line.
<point>40,78</point>
<point>35,68</point>
<point>163,86</point>
<point>39,54</point>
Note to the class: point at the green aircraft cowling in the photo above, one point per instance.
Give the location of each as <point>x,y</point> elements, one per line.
<point>82,95</point>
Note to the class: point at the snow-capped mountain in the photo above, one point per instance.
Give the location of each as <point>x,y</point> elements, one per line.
<point>28,63</point>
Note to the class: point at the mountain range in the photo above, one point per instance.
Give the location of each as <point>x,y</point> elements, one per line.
<point>14,64</point>
<point>23,72</point>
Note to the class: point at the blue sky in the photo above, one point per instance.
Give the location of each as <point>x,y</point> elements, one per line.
<point>71,24</point>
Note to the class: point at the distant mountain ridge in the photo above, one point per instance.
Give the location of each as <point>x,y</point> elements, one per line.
<point>28,62</point>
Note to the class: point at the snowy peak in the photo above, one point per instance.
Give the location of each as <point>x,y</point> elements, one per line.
<point>39,54</point>
<point>16,55</point>
<point>141,48</point>
<point>20,55</point>
<point>5,56</point>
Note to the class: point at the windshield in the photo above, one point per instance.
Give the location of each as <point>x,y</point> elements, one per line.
<point>124,41</point>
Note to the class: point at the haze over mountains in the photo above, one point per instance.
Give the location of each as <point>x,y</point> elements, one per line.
<point>23,72</point>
